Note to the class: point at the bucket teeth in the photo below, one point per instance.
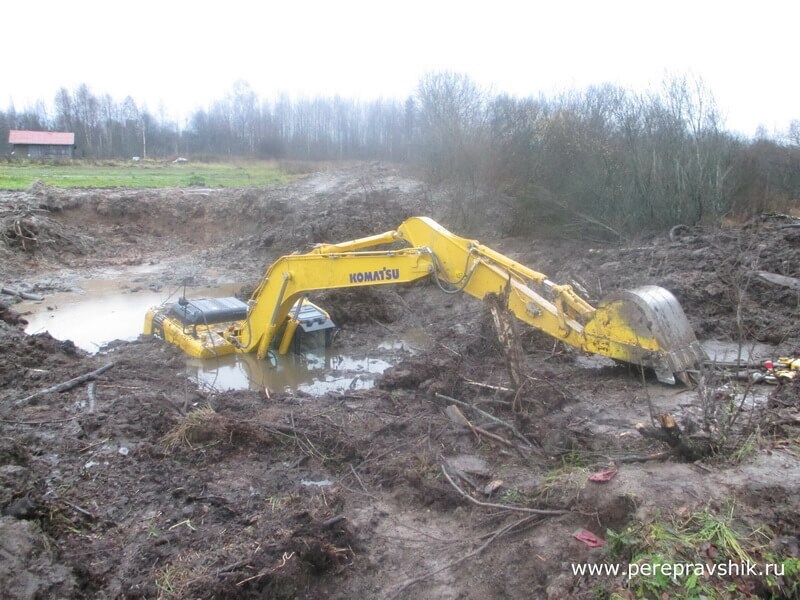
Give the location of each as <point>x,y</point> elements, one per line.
<point>648,327</point>
<point>668,324</point>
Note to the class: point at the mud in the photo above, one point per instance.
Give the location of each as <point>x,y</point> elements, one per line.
<point>158,487</point>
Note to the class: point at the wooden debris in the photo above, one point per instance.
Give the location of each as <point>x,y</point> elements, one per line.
<point>67,385</point>
<point>489,416</point>
<point>524,509</point>
<point>498,388</point>
<point>327,523</point>
<point>509,342</point>
<point>492,487</point>
<point>793,283</point>
<point>455,415</point>
<point>670,433</point>
<point>21,294</point>
<point>91,392</point>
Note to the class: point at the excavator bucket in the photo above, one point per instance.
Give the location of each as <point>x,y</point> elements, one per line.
<point>646,326</point>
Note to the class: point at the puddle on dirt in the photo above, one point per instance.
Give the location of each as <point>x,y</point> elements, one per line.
<point>101,311</point>
<point>724,353</point>
<point>313,373</point>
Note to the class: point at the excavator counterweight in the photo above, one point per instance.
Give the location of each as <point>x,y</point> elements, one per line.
<point>645,326</point>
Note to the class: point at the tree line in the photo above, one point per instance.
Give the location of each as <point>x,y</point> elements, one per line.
<point>603,159</point>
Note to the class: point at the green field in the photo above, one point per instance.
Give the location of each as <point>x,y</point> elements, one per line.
<point>81,174</point>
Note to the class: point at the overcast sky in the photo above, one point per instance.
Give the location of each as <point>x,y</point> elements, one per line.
<point>185,54</point>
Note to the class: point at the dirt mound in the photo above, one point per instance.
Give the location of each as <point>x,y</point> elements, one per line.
<point>37,356</point>
<point>10,316</point>
<point>714,272</point>
<point>27,569</point>
<point>367,305</point>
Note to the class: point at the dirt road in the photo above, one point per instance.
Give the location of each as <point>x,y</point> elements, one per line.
<point>151,487</point>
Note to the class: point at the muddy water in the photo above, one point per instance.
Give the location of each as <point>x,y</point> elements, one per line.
<point>732,353</point>
<point>100,311</point>
<point>314,372</point>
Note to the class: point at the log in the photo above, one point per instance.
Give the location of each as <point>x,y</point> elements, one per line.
<point>19,294</point>
<point>67,385</point>
<point>793,283</point>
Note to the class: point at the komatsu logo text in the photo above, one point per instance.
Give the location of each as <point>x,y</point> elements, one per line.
<point>382,275</point>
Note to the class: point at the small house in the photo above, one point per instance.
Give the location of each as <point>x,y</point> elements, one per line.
<point>42,144</point>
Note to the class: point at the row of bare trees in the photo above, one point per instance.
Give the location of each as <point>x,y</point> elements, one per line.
<point>604,159</point>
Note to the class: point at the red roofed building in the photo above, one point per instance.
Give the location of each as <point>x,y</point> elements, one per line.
<point>42,144</point>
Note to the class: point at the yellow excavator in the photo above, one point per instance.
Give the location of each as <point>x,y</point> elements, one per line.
<point>645,326</point>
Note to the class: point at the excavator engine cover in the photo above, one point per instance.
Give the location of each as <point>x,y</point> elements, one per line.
<point>208,311</point>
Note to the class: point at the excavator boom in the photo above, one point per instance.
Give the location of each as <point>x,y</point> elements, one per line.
<point>645,326</point>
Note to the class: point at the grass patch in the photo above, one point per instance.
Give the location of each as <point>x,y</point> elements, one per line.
<point>150,174</point>
<point>201,425</point>
<point>703,554</point>
<point>565,480</point>
<point>204,427</point>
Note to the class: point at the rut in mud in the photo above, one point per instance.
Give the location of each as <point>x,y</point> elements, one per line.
<point>153,487</point>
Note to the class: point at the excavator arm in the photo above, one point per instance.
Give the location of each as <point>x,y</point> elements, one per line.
<point>291,277</point>
<point>645,326</point>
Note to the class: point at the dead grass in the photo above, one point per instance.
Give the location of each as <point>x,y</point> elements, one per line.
<point>204,427</point>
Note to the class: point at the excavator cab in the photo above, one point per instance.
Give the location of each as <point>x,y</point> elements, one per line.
<point>308,328</point>
<point>204,327</point>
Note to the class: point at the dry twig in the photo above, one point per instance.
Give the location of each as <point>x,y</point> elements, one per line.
<point>535,511</point>
<point>489,416</point>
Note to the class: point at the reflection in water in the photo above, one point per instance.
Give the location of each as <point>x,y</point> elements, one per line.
<point>312,372</point>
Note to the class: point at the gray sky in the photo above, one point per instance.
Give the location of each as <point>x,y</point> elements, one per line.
<point>185,54</point>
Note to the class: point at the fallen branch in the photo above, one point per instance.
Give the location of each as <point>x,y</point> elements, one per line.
<point>327,523</point>
<point>457,416</point>
<point>67,385</point>
<point>498,388</point>
<point>361,483</point>
<point>523,509</point>
<point>38,422</point>
<point>90,446</point>
<point>449,349</point>
<point>79,509</point>
<point>489,416</point>
<point>644,457</point>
